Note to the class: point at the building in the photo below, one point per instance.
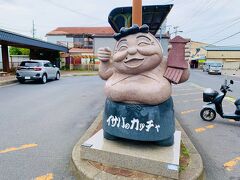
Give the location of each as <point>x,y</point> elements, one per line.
<point>80,42</point>
<point>229,56</point>
<point>38,49</point>
<point>197,54</point>
<point>84,42</point>
<point>1,65</point>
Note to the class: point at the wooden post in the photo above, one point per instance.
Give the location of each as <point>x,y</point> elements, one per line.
<point>137,12</point>
<point>5,58</point>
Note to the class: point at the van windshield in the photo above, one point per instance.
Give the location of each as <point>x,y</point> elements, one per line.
<point>216,65</point>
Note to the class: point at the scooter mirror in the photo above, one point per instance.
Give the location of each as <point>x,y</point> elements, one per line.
<point>225,82</point>
<point>231,82</point>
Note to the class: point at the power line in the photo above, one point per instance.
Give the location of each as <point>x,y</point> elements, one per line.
<point>171,1</point>
<point>198,10</point>
<point>222,23</point>
<point>226,38</point>
<point>13,29</point>
<point>223,29</point>
<point>72,10</point>
<point>233,45</point>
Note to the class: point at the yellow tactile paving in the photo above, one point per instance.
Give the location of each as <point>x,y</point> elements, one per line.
<point>25,146</point>
<point>185,94</point>
<point>48,176</point>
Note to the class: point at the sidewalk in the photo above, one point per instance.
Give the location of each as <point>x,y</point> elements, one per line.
<point>235,73</point>
<point>7,79</point>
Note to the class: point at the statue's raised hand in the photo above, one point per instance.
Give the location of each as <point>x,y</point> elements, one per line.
<point>104,54</point>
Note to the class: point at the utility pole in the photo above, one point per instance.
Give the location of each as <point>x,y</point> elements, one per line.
<point>33,29</point>
<point>176,30</point>
<point>137,12</point>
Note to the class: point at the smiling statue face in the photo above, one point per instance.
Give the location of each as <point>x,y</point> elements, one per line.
<point>137,53</point>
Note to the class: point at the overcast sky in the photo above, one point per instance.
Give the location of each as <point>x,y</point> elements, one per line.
<point>201,20</point>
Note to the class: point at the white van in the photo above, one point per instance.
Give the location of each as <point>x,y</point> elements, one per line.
<point>215,68</point>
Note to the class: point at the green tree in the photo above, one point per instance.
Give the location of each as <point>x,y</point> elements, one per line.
<point>19,51</point>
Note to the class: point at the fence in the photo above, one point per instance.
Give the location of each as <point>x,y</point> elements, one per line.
<point>14,61</point>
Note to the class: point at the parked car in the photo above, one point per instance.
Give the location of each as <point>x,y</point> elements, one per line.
<point>40,70</point>
<point>212,67</point>
<point>215,68</point>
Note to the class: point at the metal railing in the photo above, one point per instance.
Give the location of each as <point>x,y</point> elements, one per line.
<point>86,45</point>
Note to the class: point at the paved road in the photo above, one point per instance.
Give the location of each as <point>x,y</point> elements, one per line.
<point>218,141</point>
<point>40,124</point>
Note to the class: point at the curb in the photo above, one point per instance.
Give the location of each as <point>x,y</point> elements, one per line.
<point>2,83</point>
<point>194,171</point>
<point>84,170</point>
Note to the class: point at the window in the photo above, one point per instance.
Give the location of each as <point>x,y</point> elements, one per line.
<point>47,65</point>
<point>30,64</point>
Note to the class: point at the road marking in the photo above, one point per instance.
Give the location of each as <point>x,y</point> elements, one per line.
<point>192,100</point>
<point>202,129</point>
<point>183,89</point>
<point>230,99</point>
<point>210,126</point>
<point>197,86</point>
<point>189,111</point>
<point>184,94</point>
<point>8,85</point>
<point>25,146</point>
<point>231,164</point>
<point>48,176</point>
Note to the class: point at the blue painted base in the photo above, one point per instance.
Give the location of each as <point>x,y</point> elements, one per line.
<point>140,122</point>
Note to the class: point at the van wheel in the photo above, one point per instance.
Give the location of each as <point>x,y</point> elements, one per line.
<point>208,114</point>
<point>57,76</point>
<point>44,79</point>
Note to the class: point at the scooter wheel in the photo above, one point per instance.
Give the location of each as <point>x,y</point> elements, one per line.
<point>208,114</point>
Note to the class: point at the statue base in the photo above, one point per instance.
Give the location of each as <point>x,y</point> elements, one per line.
<point>140,122</point>
<point>139,156</point>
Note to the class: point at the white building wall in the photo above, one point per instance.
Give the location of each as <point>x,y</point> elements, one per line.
<point>231,64</point>
<point>15,60</point>
<point>60,38</point>
<point>164,42</point>
<point>103,42</point>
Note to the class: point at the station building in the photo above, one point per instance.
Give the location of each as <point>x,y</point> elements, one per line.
<point>229,56</point>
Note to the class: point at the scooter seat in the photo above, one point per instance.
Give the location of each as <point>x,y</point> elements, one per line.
<point>237,102</point>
